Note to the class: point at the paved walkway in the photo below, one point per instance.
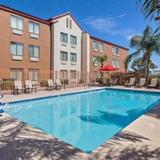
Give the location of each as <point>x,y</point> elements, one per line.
<point>19,141</point>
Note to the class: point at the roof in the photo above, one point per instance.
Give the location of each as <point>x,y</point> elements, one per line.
<point>23,14</point>
<point>107,42</point>
<point>63,15</point>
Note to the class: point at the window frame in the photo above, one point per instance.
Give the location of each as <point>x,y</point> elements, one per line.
<point>17,19</point>
<point>61,38</point>
<point>71,57</point>
<point>62,58</point>
<point>33,56</point>
<point>95,42</point>
<point>34,30</point>
<point>72,38</point>
<point>16,45</point>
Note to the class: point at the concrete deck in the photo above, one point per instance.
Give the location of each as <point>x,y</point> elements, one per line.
<point>138,141</point>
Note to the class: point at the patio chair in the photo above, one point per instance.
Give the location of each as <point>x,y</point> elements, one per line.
<point>29,87</point>
<point>131,82</point>
<point>58,84</point>
<point>153,83</point>
<point>50,85</point>
<point>18,87</point>
<point>141,82</point>
<point>113,82</point>
<point>1,96</point>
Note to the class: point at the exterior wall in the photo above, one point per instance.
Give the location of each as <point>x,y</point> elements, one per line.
<point>123,53</point>
<point>6,36</point>
<point>58,26</point>
<point>85,57</point>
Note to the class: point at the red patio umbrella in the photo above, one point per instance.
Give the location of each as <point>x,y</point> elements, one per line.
<point>108,68</point>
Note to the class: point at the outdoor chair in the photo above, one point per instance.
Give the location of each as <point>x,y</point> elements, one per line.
<point>113,82</point>
<point>50,85</point>
<point>18,87</point>
<point>1,96</point>
<point>58,84</point>
<point>131,82</point>
<point>153,83</point>
<point>141,82</point>
<point>30,87</point>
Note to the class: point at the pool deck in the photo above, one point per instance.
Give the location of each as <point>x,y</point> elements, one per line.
<point>138,141</point>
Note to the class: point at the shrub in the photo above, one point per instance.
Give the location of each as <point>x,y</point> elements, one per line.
<point>43,83</point>
<point>6,85</point>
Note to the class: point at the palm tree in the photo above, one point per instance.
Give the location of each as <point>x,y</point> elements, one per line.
<point>150,8</point>
<point>146,45</point>
<point>100,59</point>
<point>139,65</point>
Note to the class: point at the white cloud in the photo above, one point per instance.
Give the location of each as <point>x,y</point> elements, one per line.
<point>109,25</point>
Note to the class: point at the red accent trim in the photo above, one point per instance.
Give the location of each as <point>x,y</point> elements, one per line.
<point>63,15</point>
<point>110,43</point>
<point>8,9</point>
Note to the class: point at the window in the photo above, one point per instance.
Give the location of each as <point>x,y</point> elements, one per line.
<point>63,74</point>
<point>67,23</point>
<point>33,75</point>
<point>101,46</point>
<point>73,40</point>
<point>115,50</point>
<point>64,37</point>
<point>73,57</point>
<point>34,51</point>
<point>16,74</point>
<point>70,24</point>
<point>64,56</point>
<point>17,23</point>
<point>117,63</point>
<point>16,49</point>
<point>73,74</point>
<point>34,28</point>
<point>95,45</point>
<point>113,62</point>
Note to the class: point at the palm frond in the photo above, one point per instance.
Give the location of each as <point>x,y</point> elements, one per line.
<point>150,8</point>
<point>131,57</point>
<point>136,41</point>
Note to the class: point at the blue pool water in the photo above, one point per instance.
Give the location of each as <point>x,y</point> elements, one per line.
<point>84,120</point>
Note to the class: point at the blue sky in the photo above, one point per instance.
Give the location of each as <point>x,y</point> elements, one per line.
<point>112,20</point>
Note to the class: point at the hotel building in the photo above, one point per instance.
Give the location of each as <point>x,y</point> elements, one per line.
<point>58,48</point>
<point>24,45</point>
<point>66,47</point>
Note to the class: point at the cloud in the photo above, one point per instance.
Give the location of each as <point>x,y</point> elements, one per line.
<point>109,25</point>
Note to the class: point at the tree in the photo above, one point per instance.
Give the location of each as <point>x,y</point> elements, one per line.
<point>150,8</point>
<point>145,45</point>
<point>139,65</point>
<point>100,59</point>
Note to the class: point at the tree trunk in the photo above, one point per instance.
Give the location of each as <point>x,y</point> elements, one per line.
<point>147,69</point>
<point>101,73</point>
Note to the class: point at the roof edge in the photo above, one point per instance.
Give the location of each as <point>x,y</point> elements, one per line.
<point>23,14</point>
<point>62,15</point>
<point>107,42</point>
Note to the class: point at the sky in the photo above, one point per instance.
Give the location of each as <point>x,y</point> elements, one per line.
<point>112,20</point>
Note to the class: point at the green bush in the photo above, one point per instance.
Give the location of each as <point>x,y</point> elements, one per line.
<point>6,85</point>
<point>65,81</point>
<point>43,83</point>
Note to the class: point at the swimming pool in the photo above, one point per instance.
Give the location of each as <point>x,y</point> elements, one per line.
<point>84,120</point>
